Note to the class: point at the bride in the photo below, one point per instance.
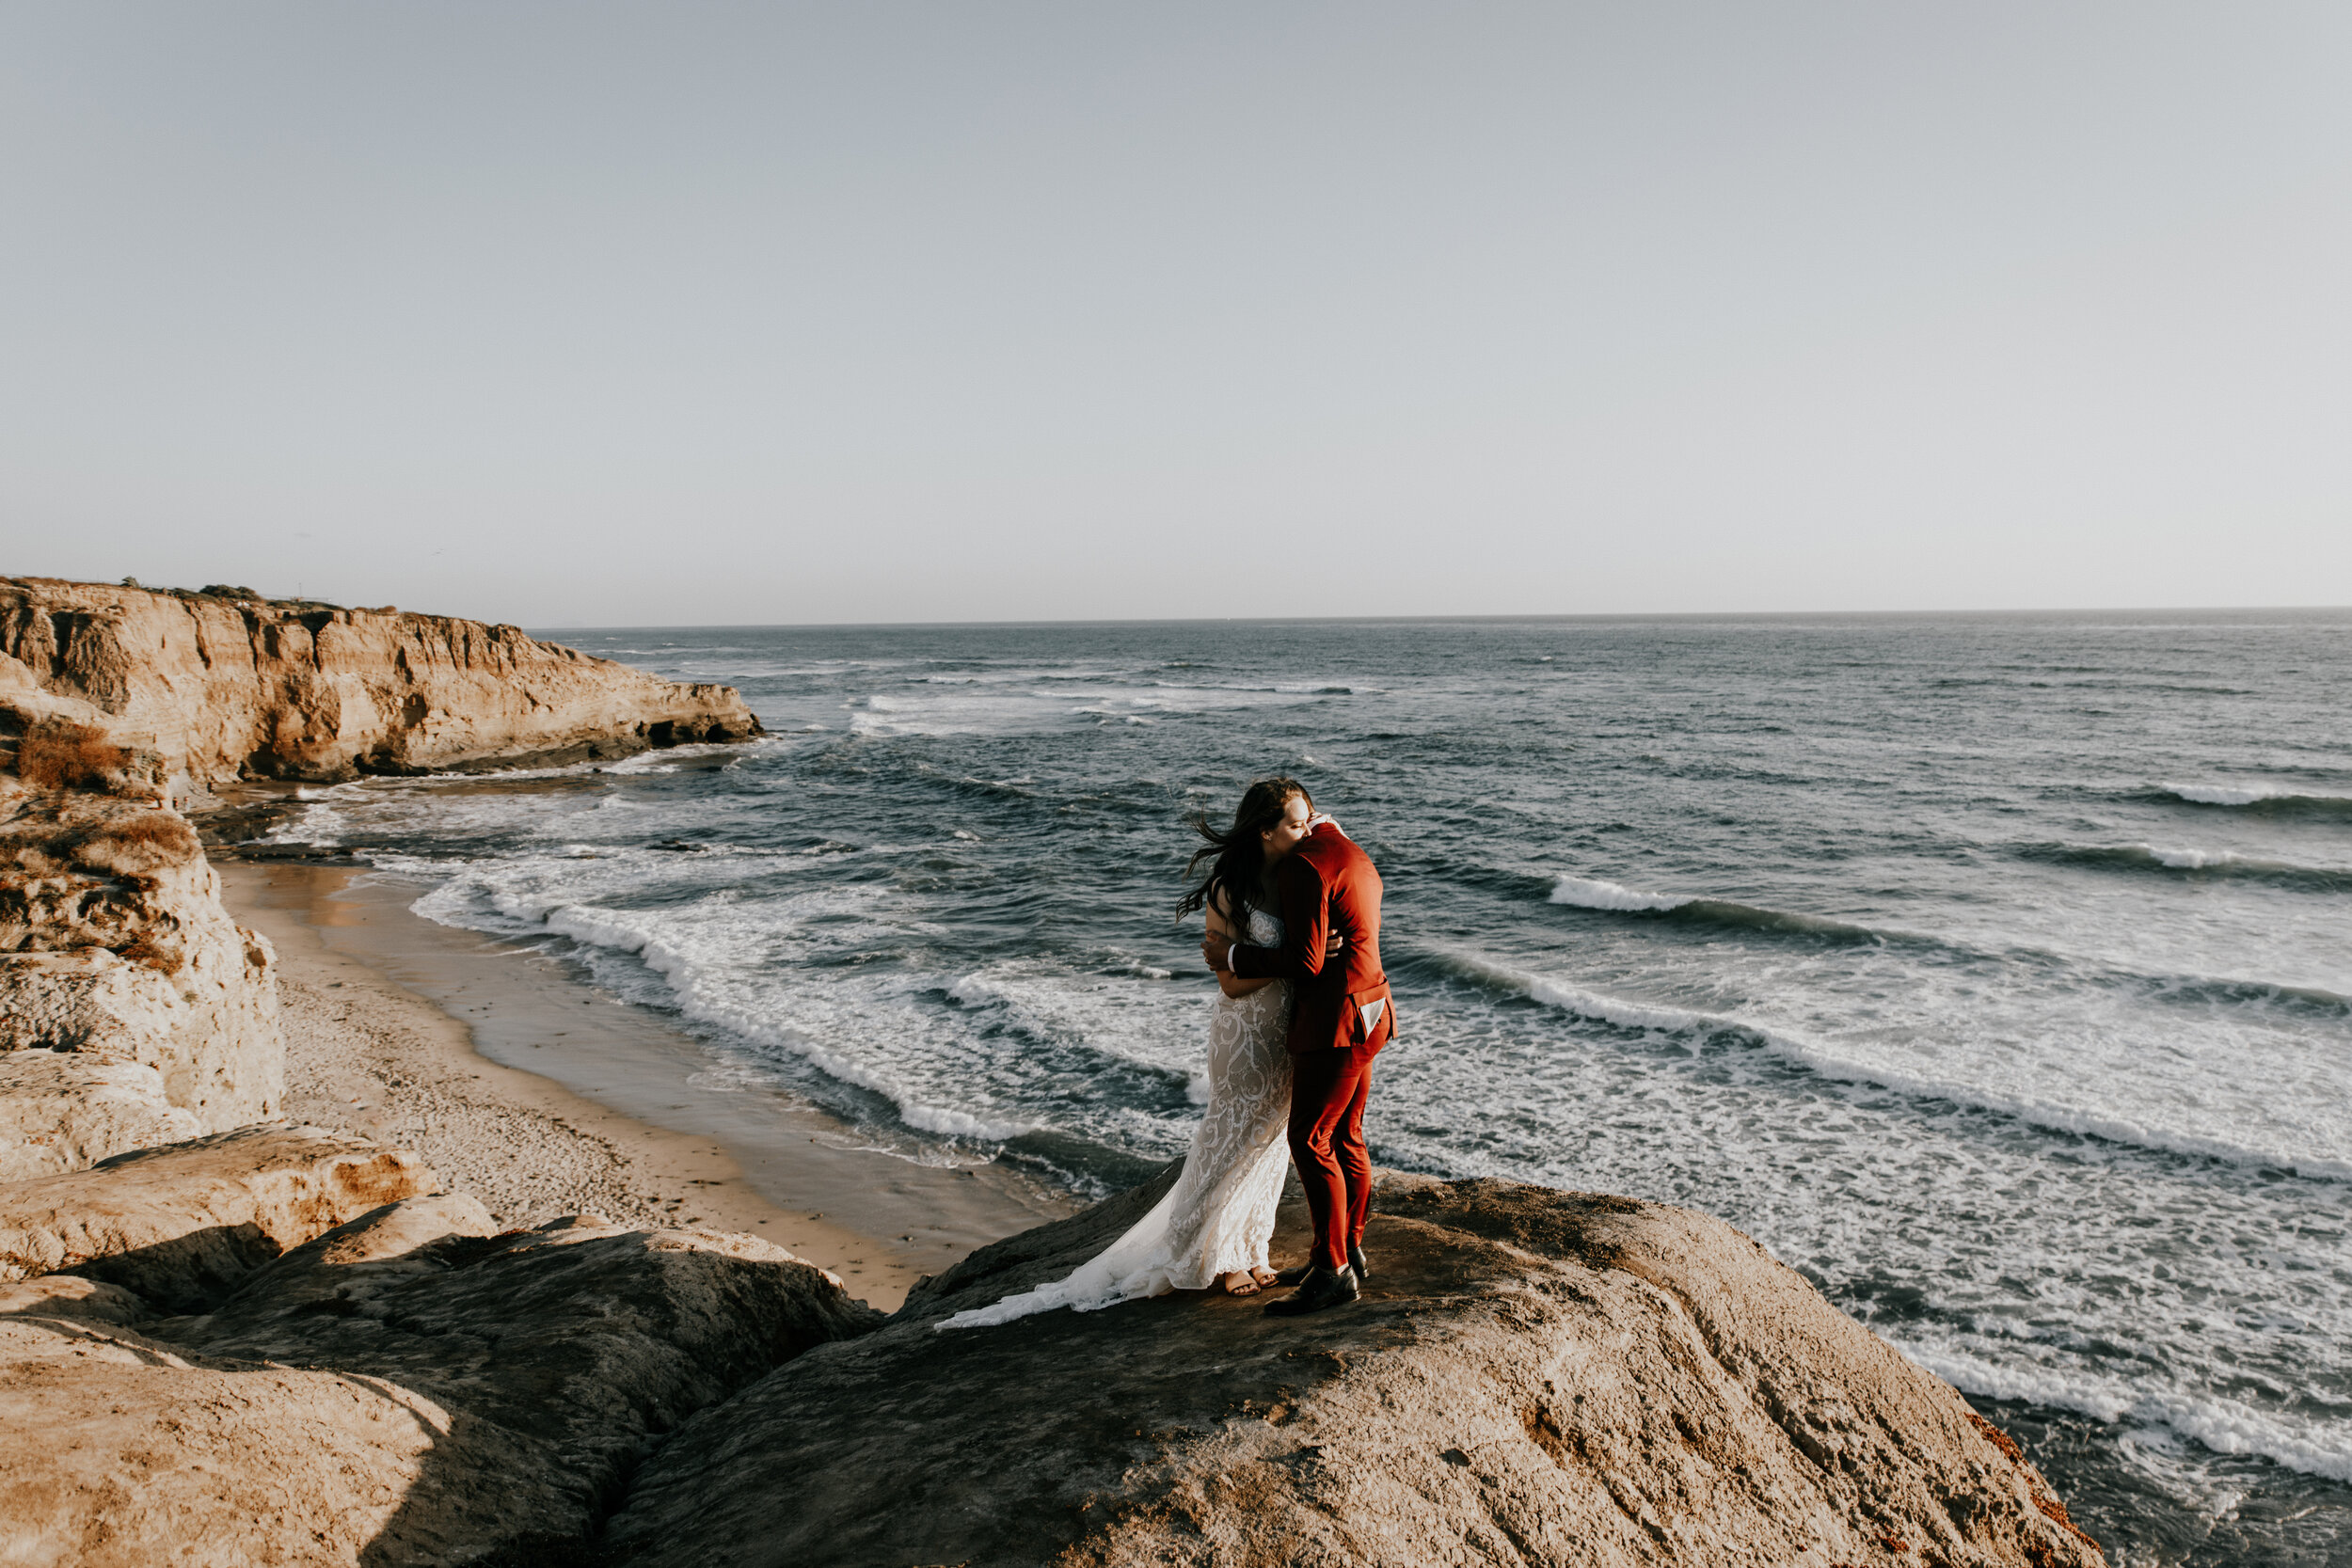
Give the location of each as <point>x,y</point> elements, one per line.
<point>1212,1227</point>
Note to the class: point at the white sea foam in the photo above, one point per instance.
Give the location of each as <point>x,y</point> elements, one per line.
<point>1591,893</point>
<point>698,986</point>
<point>1843,1066</point>
<point>2223,794</point>
<point>317,822</point>
<point>2223,1425</point>
<point>1106,1014</point>
<point>2250,794</point>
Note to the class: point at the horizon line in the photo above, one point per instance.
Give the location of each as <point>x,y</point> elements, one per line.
<point>1618,616</point>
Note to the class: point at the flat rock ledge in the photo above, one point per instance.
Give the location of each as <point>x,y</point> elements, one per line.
<point>1534,1377</point>
<point>405,1389</point>
<point>184,1224</point>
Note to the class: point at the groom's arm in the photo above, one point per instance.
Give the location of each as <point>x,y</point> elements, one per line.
<point>1306,929</point>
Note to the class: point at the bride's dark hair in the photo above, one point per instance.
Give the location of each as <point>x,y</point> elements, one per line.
<point>1235,854</point>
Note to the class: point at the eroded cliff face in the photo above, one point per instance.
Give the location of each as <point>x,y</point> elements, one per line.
<point>115,949</point>
<point>216,686</point>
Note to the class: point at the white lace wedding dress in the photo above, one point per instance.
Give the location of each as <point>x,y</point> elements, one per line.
<point>1219,1215</point>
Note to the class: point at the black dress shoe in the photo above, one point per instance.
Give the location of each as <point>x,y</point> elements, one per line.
<point>1295,1276</point>
<point>1356,1262</point>
<point>1324,1288</point>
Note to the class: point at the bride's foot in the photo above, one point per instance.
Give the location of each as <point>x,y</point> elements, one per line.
<point>1266,1277</point>
<point>1240,1282</point>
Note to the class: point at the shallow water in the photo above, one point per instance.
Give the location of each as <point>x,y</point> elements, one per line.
<point>1994,970</point>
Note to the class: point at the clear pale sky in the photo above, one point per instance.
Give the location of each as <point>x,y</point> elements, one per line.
<point>584,313</point>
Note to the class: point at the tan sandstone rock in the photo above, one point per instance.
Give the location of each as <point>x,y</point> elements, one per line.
<point>121,1452</point>
<point>1535,1377</point>
<point>61,1111</point>
<point>67,1295</point>
<point>180,1225</point>
<point>113,944</point>
<point>402,1390</point>
<point>218,685</point>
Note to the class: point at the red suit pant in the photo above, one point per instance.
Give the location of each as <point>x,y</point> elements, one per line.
<point>1327,1135</point>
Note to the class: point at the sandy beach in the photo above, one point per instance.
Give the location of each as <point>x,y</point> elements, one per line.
<point>541,1095</point>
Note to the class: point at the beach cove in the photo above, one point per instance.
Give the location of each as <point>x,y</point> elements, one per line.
<point>523,1085</point>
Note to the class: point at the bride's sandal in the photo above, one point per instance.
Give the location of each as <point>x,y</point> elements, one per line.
<point>1239,1283</point>
<point>1266,1277</point>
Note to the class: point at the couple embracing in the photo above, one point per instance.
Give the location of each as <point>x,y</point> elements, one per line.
<point>1294,935</point>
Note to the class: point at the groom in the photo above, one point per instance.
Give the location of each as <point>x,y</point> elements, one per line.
<point>1341,1017</point>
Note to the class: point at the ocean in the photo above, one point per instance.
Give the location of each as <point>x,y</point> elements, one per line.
<point>1995,971</point>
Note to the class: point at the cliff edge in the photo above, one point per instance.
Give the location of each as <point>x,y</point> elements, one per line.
<point>207,686</point>
<point>1533,1376</point>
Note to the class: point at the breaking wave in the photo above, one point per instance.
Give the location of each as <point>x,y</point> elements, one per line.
<point>1591,893</point>
<point>2225,1426</point>
<point>2194,864</point>
<point>2260,800</point>
<point>2081,1120</point>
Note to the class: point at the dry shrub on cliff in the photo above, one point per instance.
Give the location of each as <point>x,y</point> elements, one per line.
<point>139,846</point>
<point>63,754</point>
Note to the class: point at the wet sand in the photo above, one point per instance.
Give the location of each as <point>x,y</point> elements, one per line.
<point>542,1095</point>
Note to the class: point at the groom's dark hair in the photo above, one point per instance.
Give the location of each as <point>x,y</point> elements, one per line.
<point>1234,853</point>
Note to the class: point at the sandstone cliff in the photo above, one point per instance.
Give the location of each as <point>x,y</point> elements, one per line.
<point>221,684</point>
<point>114,946</point>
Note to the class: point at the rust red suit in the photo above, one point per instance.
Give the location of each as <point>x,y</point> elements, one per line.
<point>1342,1016</point>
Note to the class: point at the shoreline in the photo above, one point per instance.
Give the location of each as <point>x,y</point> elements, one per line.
<point>543,1096</point>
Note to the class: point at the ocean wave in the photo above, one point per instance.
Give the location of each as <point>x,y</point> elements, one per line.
<point>2198,989</point>
<point>316,822</point>
<point>1013,677</point>
<point>614,932</point>
<point>1593,894</point>
<point>2260,800</point>
<point>2198,865</point>
<point>1589,893</point>
<point>1028,1005</point>
<point>1610,897</point>
<point>2223,1425</point>
<point>1825,1061</point>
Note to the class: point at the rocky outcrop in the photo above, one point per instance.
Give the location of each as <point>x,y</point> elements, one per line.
<point>119,1451</point>
<point>402,1390</point>
<point>1535,1377</point>
<point>61,1111</point>
<point>221,684</point>
<point>114,946</point>
<point>184,1224</point>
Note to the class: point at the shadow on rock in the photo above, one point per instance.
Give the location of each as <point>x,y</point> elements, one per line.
<point>1533,1376</point>
<point>406,1390</point>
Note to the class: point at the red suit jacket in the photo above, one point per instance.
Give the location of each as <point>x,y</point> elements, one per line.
<point>1328,885</point>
